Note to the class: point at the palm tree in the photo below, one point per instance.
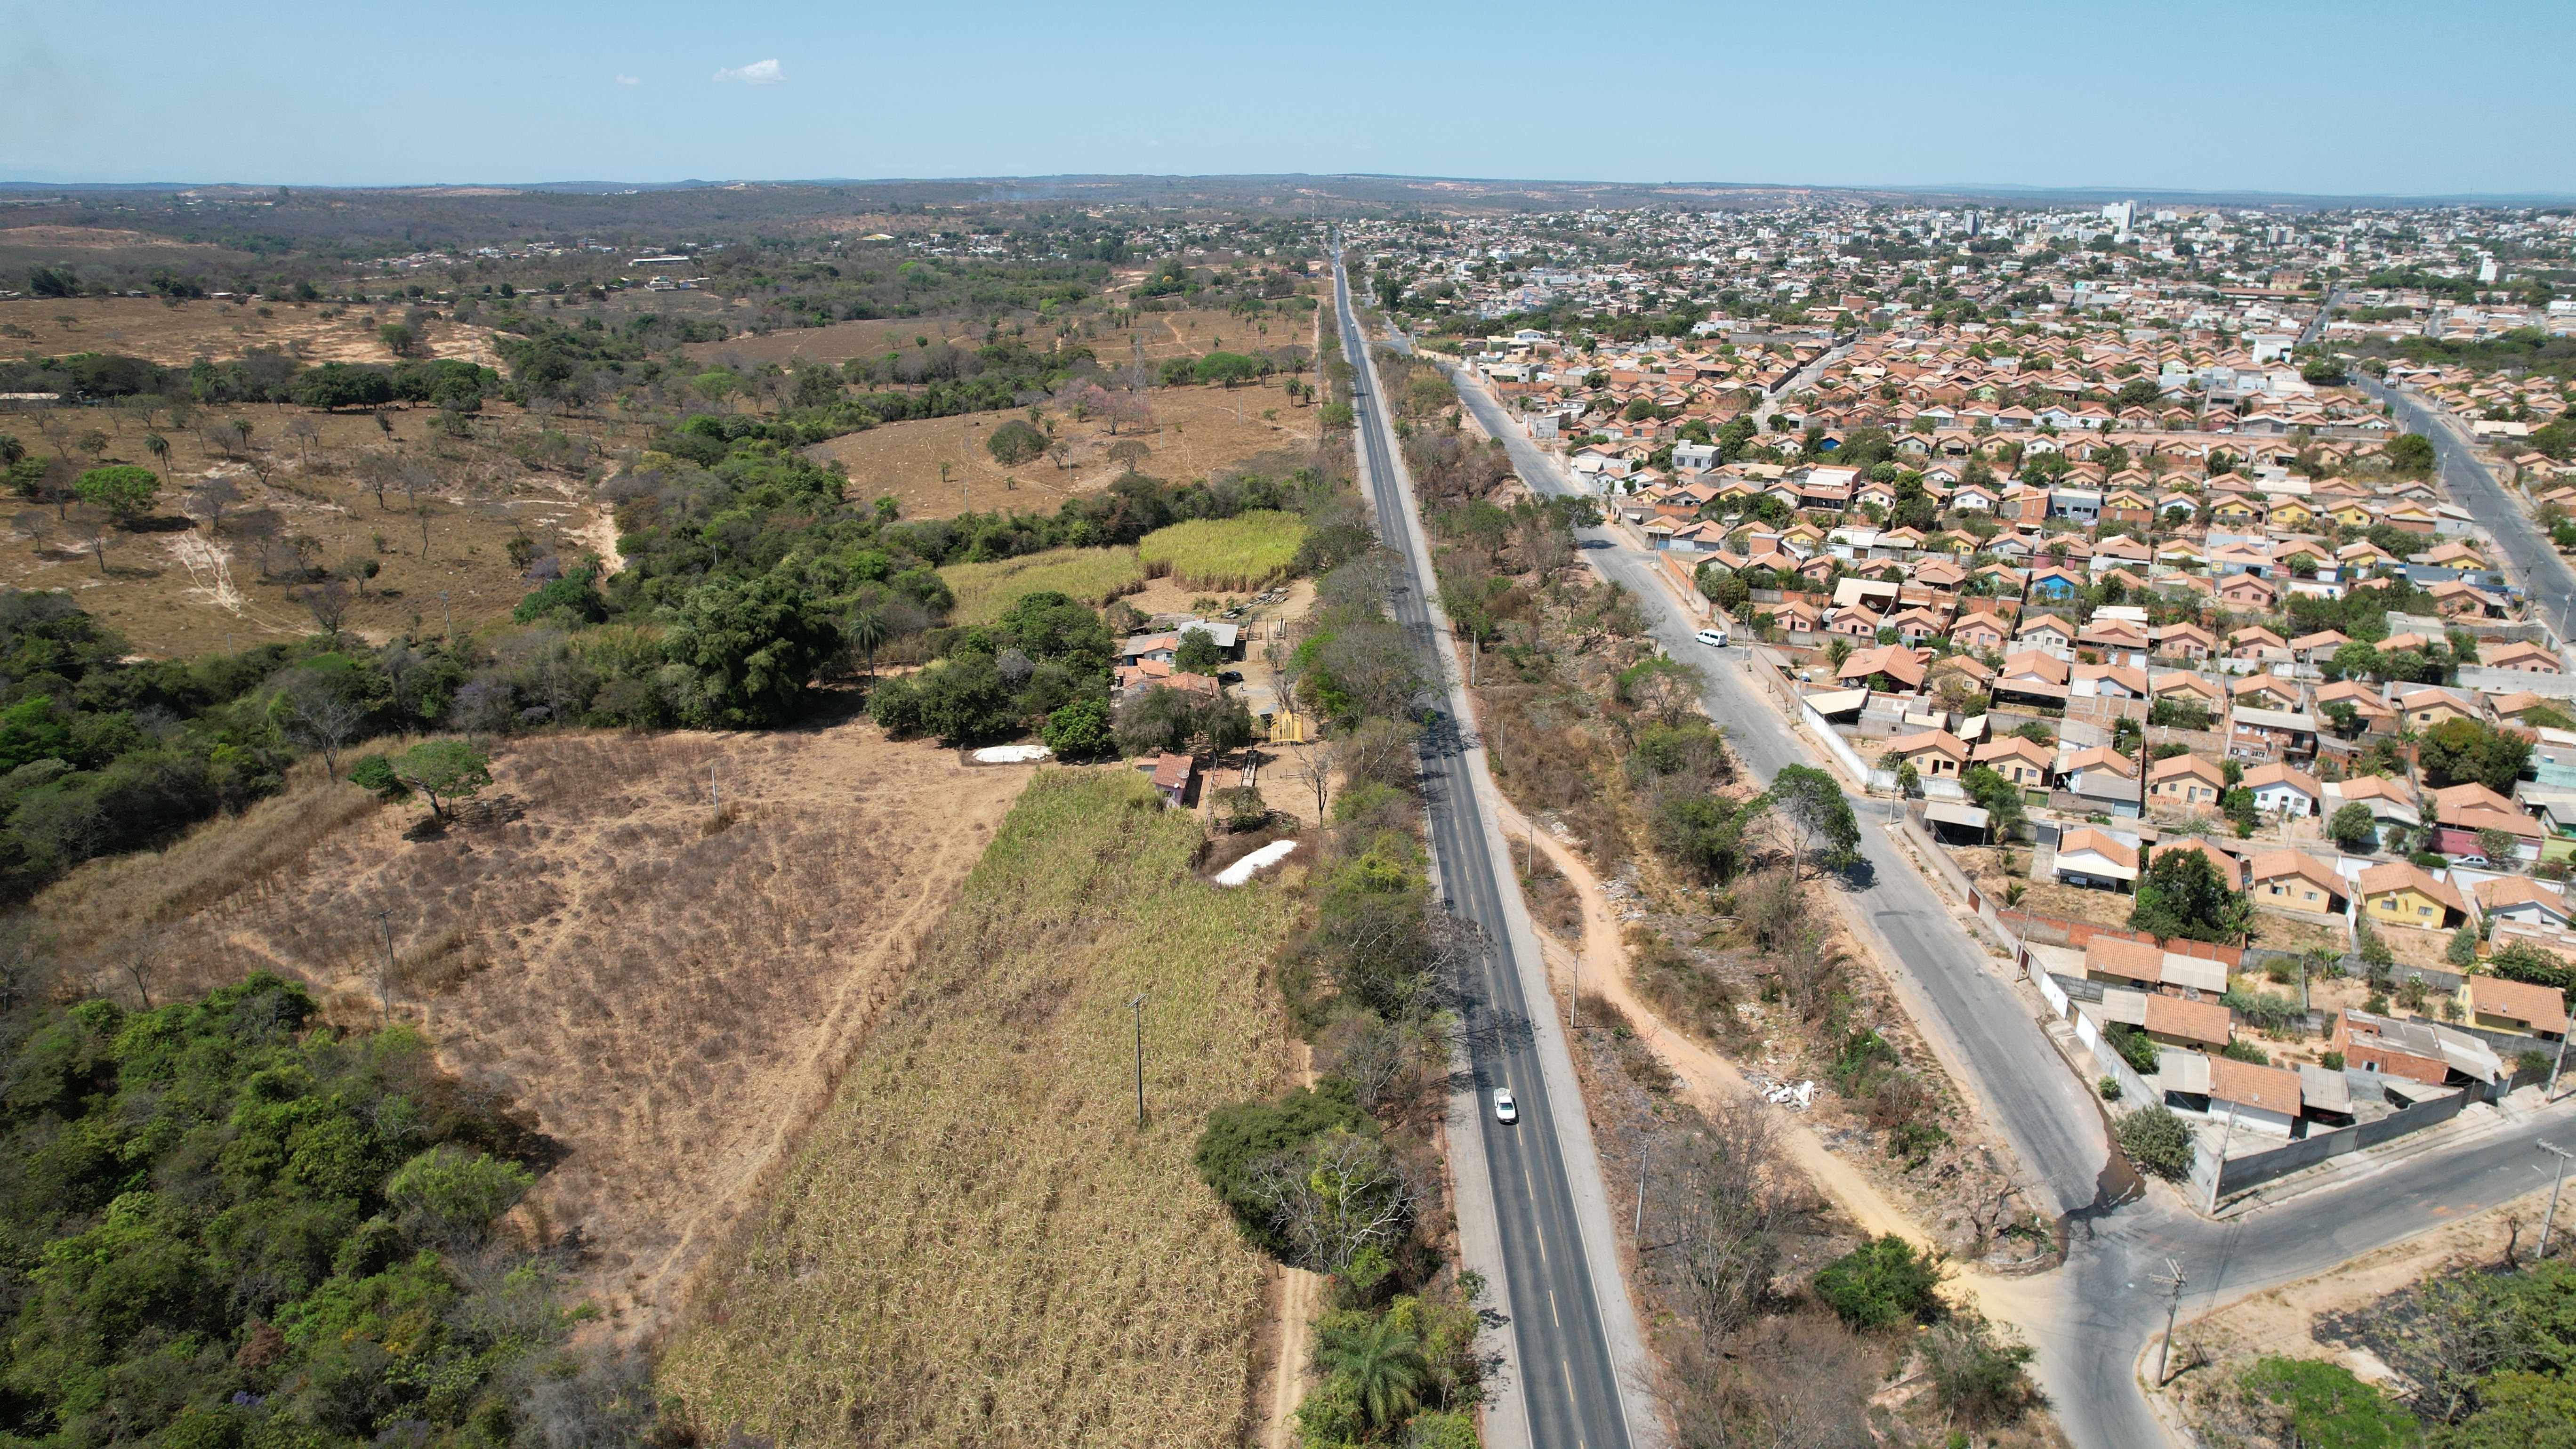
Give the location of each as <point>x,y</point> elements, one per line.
<point>1382,1363</point>
<point>159,447</point>
<point>867,630</point>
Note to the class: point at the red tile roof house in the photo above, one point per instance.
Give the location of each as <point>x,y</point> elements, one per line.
<point>2516,1006</point>
<point>1934,754</point>
<point>2093,859</point>
<point>2285,791</point>
<point>2175,1022</point>
<point>2296,882</point>
<point>2256,1098</point>
<point>2185,780</point>
<point>2026,763</point>
<point>1172,777</point>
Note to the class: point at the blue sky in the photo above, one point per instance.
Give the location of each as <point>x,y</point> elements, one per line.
<point>2290,96</point>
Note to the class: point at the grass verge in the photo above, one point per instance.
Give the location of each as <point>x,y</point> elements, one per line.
<point>976,1243</point>
<point>1242,552</point>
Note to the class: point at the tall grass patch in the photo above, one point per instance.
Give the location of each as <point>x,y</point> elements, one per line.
<point>1242,552</point>
<point>1093,575</point>
<point>976,1243</point>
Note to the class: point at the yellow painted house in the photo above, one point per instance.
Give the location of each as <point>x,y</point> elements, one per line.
<point>2352,515</point>
<point>2236,510</point>
<point>2290,513</point>
<point>2399,894</point>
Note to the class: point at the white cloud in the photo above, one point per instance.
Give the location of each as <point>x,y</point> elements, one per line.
<point>758,73</point>
<point>628,80</point>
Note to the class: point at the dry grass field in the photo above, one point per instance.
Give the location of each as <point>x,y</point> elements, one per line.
<point>175,335</point>
<point>671,991</point>
<point>1092,575</point>
<point>176,590</point>
<point>1197,431</point>
<point>977,1245</point>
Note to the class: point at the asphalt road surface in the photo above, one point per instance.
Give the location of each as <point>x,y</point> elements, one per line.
<point>1567,1380</point>
<point>2091,1319</point>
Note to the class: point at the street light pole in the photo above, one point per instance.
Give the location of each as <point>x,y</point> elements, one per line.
<point>2551,1218</point>
<point>1637,1230</point>
<point>2172,1276</point>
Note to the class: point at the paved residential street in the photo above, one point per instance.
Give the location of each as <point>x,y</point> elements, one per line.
<point>2528,555</point>
<point>2091,1318</point>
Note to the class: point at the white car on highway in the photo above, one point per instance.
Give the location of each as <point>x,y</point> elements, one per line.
<point>1507,1108</point>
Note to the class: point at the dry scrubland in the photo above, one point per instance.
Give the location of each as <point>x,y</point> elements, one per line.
<point>174,590</point>
<point>176,335</point>
<point>976,1244</point>
<point>671,992</point>
<point>1199,432</point>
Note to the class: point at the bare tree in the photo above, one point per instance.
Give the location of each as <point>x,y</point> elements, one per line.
<point>92,531</point>
<point>1314,769</point>
<point>26,960</point>
<point>1726,1224</point>
<point>1346,1194</point>
<point>328,603</point>
<point>320,715</point>
<point>36,523</point>
<point>138,955</point>
<point>304,430</point>
<point>212,499</point>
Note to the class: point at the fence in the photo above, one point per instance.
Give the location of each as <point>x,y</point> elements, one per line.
<point>2255,1169</point>
<point>2134,1091</point>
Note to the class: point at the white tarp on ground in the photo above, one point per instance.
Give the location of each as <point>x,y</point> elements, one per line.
<point>1011,754</point>
<point>1242,870</point>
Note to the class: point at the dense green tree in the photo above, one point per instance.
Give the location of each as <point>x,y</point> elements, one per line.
<point>447,771</point>
<point>2411,455</point>
<point>1882,1282</point>
<point>1819,818</point>
<point>122,489</point>
<point>1080,730</point>
<point>1198,652</point>
<point>2461,750</point>
<point>2354,828</point>
<point>1015,443</point>
<point>336,385</point>
<point>2183,895</point>
<point>1379,1359</point>
<point>747,648</point>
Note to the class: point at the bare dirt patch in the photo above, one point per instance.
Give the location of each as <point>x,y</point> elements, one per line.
<point>670,990</point>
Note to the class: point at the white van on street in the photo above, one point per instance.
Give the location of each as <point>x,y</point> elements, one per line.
<point>1714,636</point>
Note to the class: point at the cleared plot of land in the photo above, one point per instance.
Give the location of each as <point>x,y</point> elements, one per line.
<point>1197,431</point>
<point>1092,575</point>
<point>977,1245</point>
<point>672,993</point>
<point>178,335</point>
<point>1242,552</point>
<point>177,590</point>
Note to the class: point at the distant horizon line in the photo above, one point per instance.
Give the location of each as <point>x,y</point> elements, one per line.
<point>1996,189</point>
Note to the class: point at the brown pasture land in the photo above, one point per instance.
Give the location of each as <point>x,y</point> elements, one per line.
<point>978,1243</point>
<point>175,335</point>
<point>1197,431</point>
<point>174,591</point>
<point>672,991</point>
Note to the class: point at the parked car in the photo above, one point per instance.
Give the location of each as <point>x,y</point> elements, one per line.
<point>1714,636</point>
<point>1507,1109</point>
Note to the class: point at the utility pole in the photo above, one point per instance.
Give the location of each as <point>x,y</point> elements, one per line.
<point>2560,1060</point>
<point>385,979</point>
<point>2555,1179</point>
<point>2172,1277</point>
<point>1636,1230</point>
<point>1139,1005</point>
<point>2220,1169</point>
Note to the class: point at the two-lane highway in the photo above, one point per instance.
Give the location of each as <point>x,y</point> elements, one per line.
<point>1538,1212</point>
